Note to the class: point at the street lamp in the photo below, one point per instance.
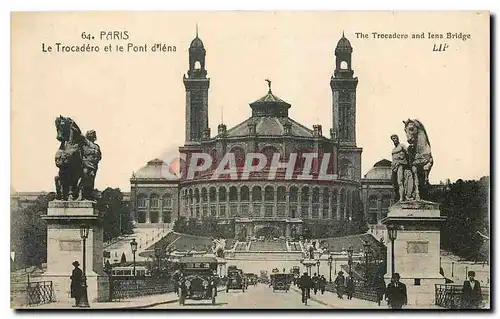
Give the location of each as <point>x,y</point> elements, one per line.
<point>349,260</point>
<point>330,260</point>
<point>366,248</point>
<point>158,258</point>
<point>392,231</point>
<point>133,246</point>
<point>317,264</point>
<point>84,234</point>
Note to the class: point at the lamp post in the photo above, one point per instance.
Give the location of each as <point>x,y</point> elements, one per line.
<point>158,258</point>
<point>330,260</point>
<point>84,234</point>
<point>133,246</point>
<point>452,264</point>
<point>393,234</point>
<point>317,264</point>
<point>349,259</point>
<point>366,248</point>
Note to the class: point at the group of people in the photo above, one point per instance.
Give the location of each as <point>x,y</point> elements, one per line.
<point>344,285</point>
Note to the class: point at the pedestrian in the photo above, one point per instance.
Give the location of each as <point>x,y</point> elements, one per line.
<point>349,287</point>
<point>76,283</point>
<point>471,296</point>
<point>305,283</point>
<point>380,288</point>
<point>396,293</point>
<point>315,280</point>
<point>322,284</point>
<point>340,284</point>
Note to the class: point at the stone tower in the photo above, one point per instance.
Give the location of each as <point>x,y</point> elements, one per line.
<point>196,84</point>
<point>343,85</point>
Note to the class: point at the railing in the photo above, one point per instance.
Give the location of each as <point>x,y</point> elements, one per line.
<point>449,296</point>
<point>361,291</point>
<point>40,292</point>
<point>122,288</point>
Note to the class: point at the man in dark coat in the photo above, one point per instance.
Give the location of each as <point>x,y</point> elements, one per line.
<point>340,285</point>
<point>305,284</point>
<point>471,296</point>
<point>315,280</point>
<point>322,284</point>
<point>396,293</point>
<point>380,286</point>
<point>349,287</point>
<point>76,283</point>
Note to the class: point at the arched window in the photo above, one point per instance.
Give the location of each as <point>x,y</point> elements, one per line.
<point>304,195</point>
<point>245,193</point>
<point>213,194</point>
<point>196,196</point>
<point>342,203</point>
<point>204,196</point>
<point>197,65</point>
<point>294,191</point>
<point>315,195</point>
<point>372,209</point>
<point>281,194</point>
<point>155,201</point>
<point>386,202</point>
<point>222,194</point>
<point>346,169</point>
<point>233,194</point>
<point>167,201</point>
<point>191,197</point>
<point>344,65</point>
<point>269,194</point>
<point>256,194</point>
<point>335,203</point>
<point>141,201</point>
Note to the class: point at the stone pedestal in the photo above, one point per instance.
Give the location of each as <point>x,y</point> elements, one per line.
<point>65,245</point>
<point>416,248</point>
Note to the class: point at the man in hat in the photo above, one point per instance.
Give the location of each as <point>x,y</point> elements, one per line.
<point>340,284</point>
<point>305,284</point>
<point>76,283</point>
<point>471,296</point>
<point>396,293</point>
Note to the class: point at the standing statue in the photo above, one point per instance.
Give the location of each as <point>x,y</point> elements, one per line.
<point>399,166</point>
<point>77,159</point>
<point>91,156</point>
<point>419,156</point>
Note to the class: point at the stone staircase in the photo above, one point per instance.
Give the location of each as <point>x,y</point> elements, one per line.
<point>144,236</point>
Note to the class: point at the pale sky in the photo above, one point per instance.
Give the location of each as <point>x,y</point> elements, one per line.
<point>136,101</point>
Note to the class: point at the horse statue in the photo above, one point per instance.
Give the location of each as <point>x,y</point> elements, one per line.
<point>77,159</point>
<point>420,158</point>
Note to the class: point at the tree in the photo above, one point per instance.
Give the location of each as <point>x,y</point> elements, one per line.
<point>466,206</point>
<point>115,212</point>
<point>358,223</point>
<point>123,260</point>
<point>29,232</point>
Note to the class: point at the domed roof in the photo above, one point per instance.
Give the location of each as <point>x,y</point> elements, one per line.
<point>381,170</point>
<point>383,163</point>
<point>343,45</point>
<point>155,169</point>
<point>196,44</point>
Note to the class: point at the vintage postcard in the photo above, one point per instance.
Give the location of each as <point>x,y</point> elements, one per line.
<point>250,160</point>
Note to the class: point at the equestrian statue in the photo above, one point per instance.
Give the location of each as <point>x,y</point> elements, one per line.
<point>77,159</point>
<point>411,165</point>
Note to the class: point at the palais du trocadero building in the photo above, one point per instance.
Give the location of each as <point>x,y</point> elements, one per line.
<point>257,205</point>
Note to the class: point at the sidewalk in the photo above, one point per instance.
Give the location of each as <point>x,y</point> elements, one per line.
<point>134,303</point>
<point>331,300</point>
